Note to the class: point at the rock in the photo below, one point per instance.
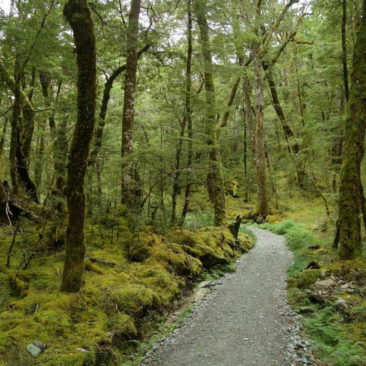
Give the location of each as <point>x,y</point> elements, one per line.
<point>83,350</point>
<point>34,350</point>
<point>341,304</point>
<point>40,345</point>
<point>329,282</point>
<point>313,265</point>
<point>203,284</point>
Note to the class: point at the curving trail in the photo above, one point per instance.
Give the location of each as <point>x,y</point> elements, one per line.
<point>245,321</point>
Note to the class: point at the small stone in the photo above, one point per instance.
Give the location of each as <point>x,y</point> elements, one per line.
<point>83,350</point>
<point>33,350</point>
<point>329,282</point>
<point>40,345</point>
<point>340,303</point>
<point>203,284</point>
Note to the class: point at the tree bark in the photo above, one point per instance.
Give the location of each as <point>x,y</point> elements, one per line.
<point>344,50</point>
<point>215,179</point>
<point>59,141</point>
<point>289,134</point>
<point>259,157</point>
<point>20,141</point>
<point>187,123</point>
<point>188,111</point>
<point>78,15</point>
<point>350,200</point>
<point>131,192</point>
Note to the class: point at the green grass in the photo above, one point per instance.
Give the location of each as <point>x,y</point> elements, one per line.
<point>298,239</point>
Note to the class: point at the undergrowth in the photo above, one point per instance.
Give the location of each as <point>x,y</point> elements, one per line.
<point>131,282</point>
<point>338,334</point>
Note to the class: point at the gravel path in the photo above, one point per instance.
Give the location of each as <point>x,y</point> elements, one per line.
<point>244,321</point>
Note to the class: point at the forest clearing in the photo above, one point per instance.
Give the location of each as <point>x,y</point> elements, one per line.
<point>181,182</point>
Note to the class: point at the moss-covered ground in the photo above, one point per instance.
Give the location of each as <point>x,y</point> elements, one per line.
<point>131,282</point>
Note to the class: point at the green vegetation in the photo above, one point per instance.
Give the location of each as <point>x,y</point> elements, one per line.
<point>128,129</point>
<point>125,298</point>
<point>335,320</point>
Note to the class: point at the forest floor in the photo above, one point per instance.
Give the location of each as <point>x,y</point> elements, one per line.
<point>245,320</point>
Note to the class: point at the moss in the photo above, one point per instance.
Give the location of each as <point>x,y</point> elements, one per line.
<point>351,270</point>
<point>170,255</point>
<point>211,246</point>
<point>305,278</point>
<point>93,268</point>
<point>18,284</point>
<point>118,305</point>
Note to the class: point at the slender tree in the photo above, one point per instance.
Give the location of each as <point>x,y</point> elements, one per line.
<point>350,195</point>
<point>188,110</point>
<point>131,192</point>
<point>215,179</point>
<point>77,13</point>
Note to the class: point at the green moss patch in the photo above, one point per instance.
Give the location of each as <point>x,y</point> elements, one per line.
<point>131,281</point>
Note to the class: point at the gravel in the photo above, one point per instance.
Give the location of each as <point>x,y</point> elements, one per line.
<point>244,320</point>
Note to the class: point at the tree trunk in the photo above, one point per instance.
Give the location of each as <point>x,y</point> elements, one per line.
<point>78,15</point>
<point>188,112</point>
<point>2,144</point>
<point>289,134</point>
<point>259,151</point>
<point>350,200</point>
<point>40,148</point>
<point>187,120</point>
<point>131,192</point>
<point>20,142</point>
<point>215,178</point>
<point>344,50</point>
<point>245,159</point>
<point>59,141</point>
<point>177,173</point>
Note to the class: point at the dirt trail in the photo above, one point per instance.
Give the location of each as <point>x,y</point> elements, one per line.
<point>245,321</point>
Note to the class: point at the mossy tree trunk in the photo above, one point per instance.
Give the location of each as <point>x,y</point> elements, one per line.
<point>288,132</point>
<point>188,112</point>
<point>21,134</point>
<point>131,192</point>
<point>259,144</point>
<point>215,179</point>
<point>59,138</point>
<point>187,122</point>
<point>350,196</point>
<point>77,13</point>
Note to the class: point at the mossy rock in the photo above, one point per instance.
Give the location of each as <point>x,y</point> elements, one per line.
<point>351,270</point>
<point>305,278</point>
<point>212,246</point>
<point>205,246</point>
<point>152,247</point>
